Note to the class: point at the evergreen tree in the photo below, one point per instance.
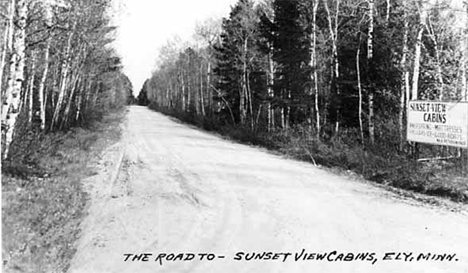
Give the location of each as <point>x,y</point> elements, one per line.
<point>291,53</point>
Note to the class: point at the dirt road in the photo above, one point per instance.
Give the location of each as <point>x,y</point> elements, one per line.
<point>181,190</point>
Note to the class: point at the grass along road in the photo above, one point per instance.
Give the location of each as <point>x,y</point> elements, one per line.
<point>43,199</point>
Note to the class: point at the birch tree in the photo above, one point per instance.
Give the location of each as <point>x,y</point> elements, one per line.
<point>314,91</point>
<point>16,80</point>
<point>359,84</point>
<point>333,29</point>
<point>370,54</point>
<point>208,33</point>
<point>417,51</point>
<point>7,45</point>
<point>48,20</point>
<point>405,78</point>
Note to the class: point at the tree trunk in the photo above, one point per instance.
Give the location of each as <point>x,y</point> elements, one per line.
<point>417,54</point>
<point>440,80</point>
<point>7,44</point>
<point>55,84</point>
<point>271,79</point>
<point>32,75</point>
<point>371,119</point>
<point>225,102</point>
<point>249,93</point>
<point>314,74</point>
<point>335,65</point>
<point>387,14</point>
<point>283,119</point>
<point>287,117</point>
<point>64,79</point>
<point>3,59</point>
<point>9,88</point>
<point>189,100</point>
<point>405,88</point>
<point>12,109</point>
<point>202,95</point>
<point>208,83</point>
<point>243,92</point>
<point>73,88</point>
<point>182,82</point>
<point>370,52</point>
<point>88,90</point>
<point>79,97</point>
<point>358,70</point>
<point>41,89</point>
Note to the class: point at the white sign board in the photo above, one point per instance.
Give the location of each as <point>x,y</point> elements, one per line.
<point>438,123</point>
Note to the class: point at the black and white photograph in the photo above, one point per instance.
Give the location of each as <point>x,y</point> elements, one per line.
<point>237,136</point>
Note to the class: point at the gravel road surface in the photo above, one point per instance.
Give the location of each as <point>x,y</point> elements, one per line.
<point>194,202</point>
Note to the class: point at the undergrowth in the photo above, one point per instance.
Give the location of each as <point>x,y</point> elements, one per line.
<point>43,201</point>
<point>382,163</point>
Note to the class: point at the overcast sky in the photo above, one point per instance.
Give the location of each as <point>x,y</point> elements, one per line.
<point>146,25</point>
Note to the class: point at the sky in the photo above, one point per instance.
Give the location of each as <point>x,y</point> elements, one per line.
<point>146,25</point>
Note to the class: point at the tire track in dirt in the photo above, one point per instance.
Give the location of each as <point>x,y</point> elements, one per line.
<point>183,190</point>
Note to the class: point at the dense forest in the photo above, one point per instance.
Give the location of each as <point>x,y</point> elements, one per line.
<point>63,95</point>
<point>57,68</point>
<point>337,74</point>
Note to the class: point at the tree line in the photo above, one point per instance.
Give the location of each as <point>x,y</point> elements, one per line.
<point>57,69</point>
<point>333,65</point>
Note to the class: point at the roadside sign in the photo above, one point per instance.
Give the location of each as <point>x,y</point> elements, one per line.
<point>438,123</point>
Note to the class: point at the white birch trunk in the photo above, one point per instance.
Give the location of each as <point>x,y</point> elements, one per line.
<point>440,80</point>
<point>63,79</point>
<point>66,114</point>
<point>336,66</point>
<point>41,89</point>
<point>7,43</point>
<point>370,53</point>
<point>184,108</point>
<point>189,91</point>
<point>3,59</point>
<point>358,70</point>
<point>202,95</point>
<point>32,75</point>
<point>405,88</point>
<point>283,123</point>
<point>79,98</point>
<point>12,108</point>
<point>417,55</point>
<point>271,79</point>
<point>249,93</point>
<point>387,15</point>
<point>243,91</point>
<point>208,83</point>
<point>314,66</point>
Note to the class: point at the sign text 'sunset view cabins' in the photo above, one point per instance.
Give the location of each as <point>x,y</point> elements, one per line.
<point>438,123</point>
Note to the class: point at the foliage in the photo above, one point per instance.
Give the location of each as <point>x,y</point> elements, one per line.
<point>69,74</point>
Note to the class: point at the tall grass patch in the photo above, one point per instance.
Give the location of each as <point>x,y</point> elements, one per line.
<point>43,201</point>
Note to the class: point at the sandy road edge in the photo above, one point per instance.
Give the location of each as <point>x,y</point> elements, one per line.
<point>99,189</point>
